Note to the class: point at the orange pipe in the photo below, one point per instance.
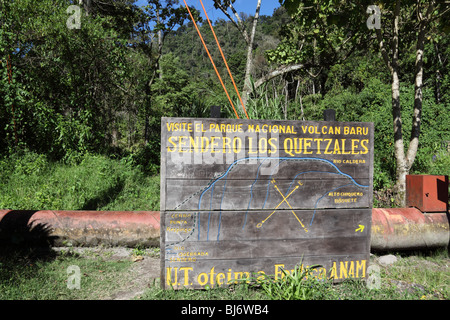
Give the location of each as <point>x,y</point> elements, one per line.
<point>392,229</point>
<point>408,228</point>
<point>81,228</point>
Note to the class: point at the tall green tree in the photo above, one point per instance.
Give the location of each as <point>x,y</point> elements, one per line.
<point>159,19</point>
<point>72,82</point>
<point>79,87</point>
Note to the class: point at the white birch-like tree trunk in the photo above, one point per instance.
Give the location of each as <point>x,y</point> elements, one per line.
<point>404,162</point>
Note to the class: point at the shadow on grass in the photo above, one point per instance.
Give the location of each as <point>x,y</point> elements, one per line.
<point>105,197</point>
<point>22,244</point>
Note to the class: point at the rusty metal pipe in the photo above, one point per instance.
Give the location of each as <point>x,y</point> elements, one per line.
<point>392,229</point>
<point>408,228</point>
<point>81,228</point>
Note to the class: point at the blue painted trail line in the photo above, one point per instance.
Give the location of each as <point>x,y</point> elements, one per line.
<point>225,175</point>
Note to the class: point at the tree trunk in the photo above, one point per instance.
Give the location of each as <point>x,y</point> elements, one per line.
<point>399,151</point>
<point>404,163</point>
<point>277,72</point>
<point>249,64</point>
<point>249,39</point>
<point>160,46</point>
<point>418,84</point>
<point>87,4</point>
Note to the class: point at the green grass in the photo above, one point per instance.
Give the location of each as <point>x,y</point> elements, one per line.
<point>32,275</point>
<point>31,182</point>
<point>233,292</point>
<point>426,270</point>
<point>413,277</point>
<point>37,275</point>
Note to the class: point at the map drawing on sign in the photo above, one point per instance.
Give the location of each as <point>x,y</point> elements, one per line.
<point>272,196</point>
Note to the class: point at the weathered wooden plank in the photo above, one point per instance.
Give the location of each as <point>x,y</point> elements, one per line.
<point>237,249</point>
<point>264,168</point>
<point>192,146</point>
<point>222,154</point>
<point>223,272</point>
<point>215,127</point>
<point>227,194</point>
<point>189,227</point>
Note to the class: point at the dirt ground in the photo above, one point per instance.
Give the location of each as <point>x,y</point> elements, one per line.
<point>145,270</point>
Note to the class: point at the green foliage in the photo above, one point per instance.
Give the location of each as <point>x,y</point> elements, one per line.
<point>45,277</point>
<point>373,104</point>
<point>80,90</point>
<point>260,105</point>
<point>102,89</point>
<point>174,93</point>
<point>440,164</point>
<point>93,182</point>
<point>61,77</point>
<point>299,284</point>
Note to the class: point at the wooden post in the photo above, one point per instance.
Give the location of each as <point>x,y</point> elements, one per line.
<point>329,115</point>
<point>215,112</point>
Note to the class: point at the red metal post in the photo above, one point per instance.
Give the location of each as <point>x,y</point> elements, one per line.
<point>427,193</point>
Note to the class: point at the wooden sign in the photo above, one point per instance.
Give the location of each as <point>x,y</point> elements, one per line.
<point>244,198</point>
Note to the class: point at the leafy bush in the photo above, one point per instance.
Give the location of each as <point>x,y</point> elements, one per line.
<point>95,183</point>
<point>440,164</point>
<point>299,284</point>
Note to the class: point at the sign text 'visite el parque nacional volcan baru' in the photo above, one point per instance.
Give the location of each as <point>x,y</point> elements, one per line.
<point>241,199</point>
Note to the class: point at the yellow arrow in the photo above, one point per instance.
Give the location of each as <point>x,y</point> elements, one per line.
<point>361,228</point>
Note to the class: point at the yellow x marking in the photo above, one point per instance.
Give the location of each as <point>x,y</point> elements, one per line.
<point>259,225</point>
